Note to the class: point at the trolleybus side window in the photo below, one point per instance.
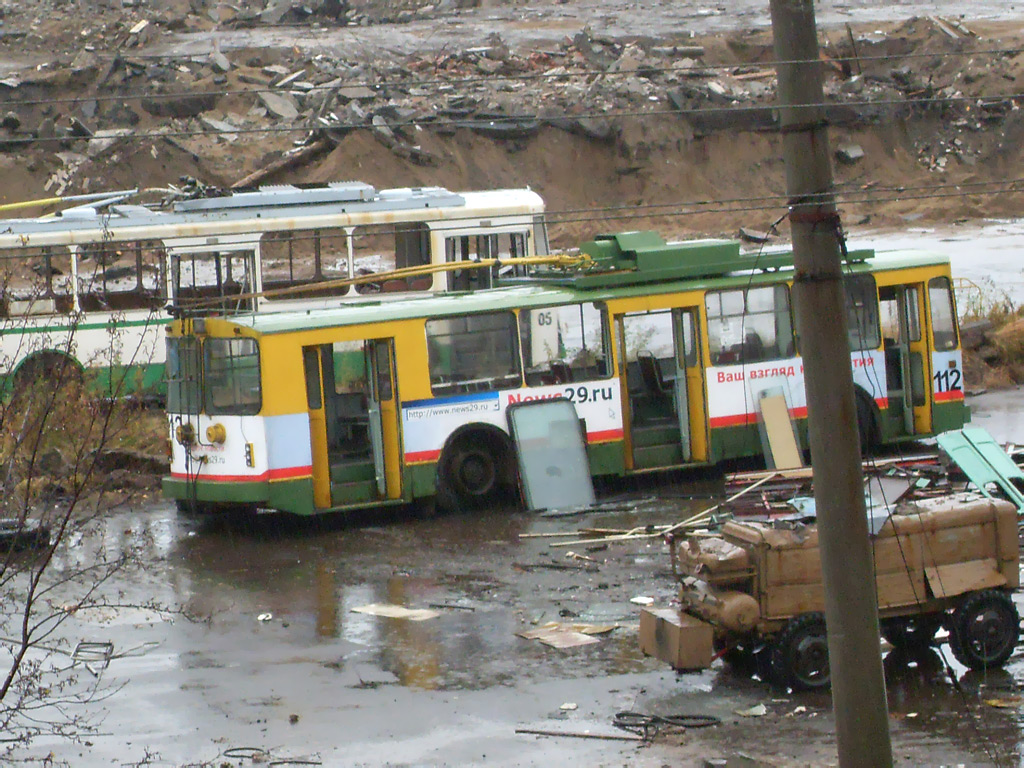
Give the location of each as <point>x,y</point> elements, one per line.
<point>182,371</point>
<point>232,376</point>
<point>940,296</point>
<point>475,353</point>
<point>749,326</point>
<point>205,276</point>
<point>121,275</point>
<point>35,281</point>
<point>564,344</point>
<point>294,257</point>
<point>862,312</point>
<point>498,245</point>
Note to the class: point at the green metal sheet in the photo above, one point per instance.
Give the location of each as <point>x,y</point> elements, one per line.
<point>984,462</point>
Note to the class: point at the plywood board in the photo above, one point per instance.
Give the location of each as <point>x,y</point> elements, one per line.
<point>782,445</point>
<point>957,578</point>
<point>558,635</point>
<point>900,588</point>
<point>793,599</point>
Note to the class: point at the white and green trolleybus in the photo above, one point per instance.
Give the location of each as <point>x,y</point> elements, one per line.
<point>94,285</point>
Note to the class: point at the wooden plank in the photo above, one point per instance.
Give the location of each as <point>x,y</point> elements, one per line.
<point>785,453</point>
<point>793,599</point>
<point>900,588</point>
<point>957,578</point>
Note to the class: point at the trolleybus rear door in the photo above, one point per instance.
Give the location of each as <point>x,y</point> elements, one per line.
<point>655,415</point>
<point>906,360</point>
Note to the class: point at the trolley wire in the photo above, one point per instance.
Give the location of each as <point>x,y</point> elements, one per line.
<point>753,203</point>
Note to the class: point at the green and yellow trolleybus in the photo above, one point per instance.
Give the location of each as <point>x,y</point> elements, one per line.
<point>665,349</point>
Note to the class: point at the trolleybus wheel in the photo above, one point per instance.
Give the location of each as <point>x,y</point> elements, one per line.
<point>867,424</point>
<point>49,370</point>
<point>472,470</point>
<point>800,654</point>
<point>984,629</point>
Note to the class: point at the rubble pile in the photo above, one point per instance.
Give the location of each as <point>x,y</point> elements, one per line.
<point>248,115</point>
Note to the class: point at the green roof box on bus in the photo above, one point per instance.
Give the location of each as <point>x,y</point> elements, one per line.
<point>629,258</point>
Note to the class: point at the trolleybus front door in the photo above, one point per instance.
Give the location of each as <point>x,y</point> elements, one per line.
<point>906,360</point>
<point>353,418</point>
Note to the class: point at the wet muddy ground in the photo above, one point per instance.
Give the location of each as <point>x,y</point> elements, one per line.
<point>275,663</point>
<point>281,663</point>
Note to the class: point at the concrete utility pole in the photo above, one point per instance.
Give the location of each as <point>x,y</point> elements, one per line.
<point>851,610</point>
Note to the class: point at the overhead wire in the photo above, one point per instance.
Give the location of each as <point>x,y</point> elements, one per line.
<point>770,202</point>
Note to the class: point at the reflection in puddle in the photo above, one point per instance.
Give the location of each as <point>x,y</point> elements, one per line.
<point>326,601</point>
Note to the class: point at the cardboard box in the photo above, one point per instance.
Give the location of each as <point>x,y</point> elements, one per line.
<point>682,640</point>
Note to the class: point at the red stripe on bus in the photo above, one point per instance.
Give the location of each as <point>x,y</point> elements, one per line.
<point>948,396</point>
<point>733,421</point>
<point>741,419</point>
<point>287,473</point>
<point>418,457</point>
<point>604,436</point>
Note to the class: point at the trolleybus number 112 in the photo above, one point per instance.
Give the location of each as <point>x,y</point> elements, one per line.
<point>948,380</point>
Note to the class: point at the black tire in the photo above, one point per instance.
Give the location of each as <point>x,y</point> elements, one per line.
<point>984,629</point>
<point>472,472</point>
<point>800,654</point>
<point>867,424</point>
<point>912,632</point>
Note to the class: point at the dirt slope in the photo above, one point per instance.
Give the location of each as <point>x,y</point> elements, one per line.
<point>615,132</point>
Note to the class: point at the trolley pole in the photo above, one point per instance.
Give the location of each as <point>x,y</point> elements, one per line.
<point>851,610</point>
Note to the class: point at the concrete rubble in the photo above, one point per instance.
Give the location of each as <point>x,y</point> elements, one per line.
<point>586,85</point>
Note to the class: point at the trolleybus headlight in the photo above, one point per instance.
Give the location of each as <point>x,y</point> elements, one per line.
<point>185,434</point>
<point>215,433</point>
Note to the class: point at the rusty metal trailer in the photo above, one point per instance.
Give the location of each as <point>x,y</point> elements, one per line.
<point>951,561</point>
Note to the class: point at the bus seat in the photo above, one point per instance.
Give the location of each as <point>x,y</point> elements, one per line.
<point>753,348</point>
<point>395,286</point>
<point>650,374</point>
<point>561,373</point>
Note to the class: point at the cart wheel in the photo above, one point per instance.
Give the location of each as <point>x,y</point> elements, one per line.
<point>984,629</point>
<point>800,654</point>
<point>912,632</point>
